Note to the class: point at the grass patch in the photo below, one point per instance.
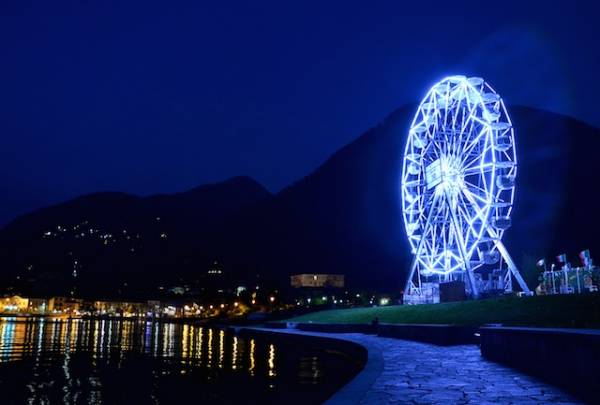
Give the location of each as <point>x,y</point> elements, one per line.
<point>566,311</point>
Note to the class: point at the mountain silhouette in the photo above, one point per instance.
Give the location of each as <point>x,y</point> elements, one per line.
<point>342,218</point>
<point>118,238</point>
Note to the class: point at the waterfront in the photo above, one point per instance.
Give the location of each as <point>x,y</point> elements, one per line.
<point>121,361</point>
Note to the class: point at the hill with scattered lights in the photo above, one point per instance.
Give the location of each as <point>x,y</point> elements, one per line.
<point>342,218</point>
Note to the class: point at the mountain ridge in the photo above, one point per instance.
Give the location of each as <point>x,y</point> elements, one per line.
<point>344,217</point>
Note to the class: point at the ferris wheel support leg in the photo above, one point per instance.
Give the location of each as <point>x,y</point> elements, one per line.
<point>512,268</point>
<point>474,290</point>
<point>410,284</point>
<point>463,250</point>
<point>414,265</point>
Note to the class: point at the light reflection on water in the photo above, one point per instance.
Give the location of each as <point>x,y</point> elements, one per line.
<point>23,338</point>
<point>109,361</point>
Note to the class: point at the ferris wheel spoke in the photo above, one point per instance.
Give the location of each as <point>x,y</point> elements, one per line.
<point>482,213</point>
<point>458,235</point>
<point>479,190</point>
<point>481,169</point>
<point>469,231</point>
<point>414,183</point>
<point>457,112</point>
<point>472,199</point>
<point>467,122</point>
<point>477,160</point>
<point>466,135</point>
<point>472,218</point>
<point>468,213</point>
<point>471,144</point>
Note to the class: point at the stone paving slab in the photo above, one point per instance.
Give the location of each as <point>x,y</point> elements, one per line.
<point>418,373</point>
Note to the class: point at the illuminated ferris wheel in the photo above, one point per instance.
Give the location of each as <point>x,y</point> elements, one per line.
<point>458,186</point>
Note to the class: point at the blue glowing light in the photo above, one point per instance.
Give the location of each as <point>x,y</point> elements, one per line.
<point>458,179</point>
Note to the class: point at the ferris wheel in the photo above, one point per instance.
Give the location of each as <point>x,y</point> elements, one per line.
<point>458,187</point>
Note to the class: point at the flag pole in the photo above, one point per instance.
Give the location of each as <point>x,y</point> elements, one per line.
<point>552,274</point>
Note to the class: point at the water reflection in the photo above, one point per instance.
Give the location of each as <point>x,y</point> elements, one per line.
<point>106,361</point>
<point>234,356</point>
<point>271,360</point>
<point>252,361</point>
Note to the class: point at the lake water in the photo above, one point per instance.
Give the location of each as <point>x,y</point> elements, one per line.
<point>138,362</point>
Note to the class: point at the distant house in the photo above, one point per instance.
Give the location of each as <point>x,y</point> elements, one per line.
<point>124,308</point>
<point>15,303</point>
<point>38,305</point>
<point>64,304</point>
<point>318,280</point>
<point>155,307</point>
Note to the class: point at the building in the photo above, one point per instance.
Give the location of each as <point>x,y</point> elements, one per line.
<point>64,304</point>
<point>215,269</point>
<point>318,281</point>
<point>15,304</point>
<point>154,307</point>
<point>121,308</point>
<point>37,305</point>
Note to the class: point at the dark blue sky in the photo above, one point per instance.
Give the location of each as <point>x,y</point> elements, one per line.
<point>145,99</point>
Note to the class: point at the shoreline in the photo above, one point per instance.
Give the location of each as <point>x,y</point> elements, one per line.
<point>64,318</point>
<point>359,385</point>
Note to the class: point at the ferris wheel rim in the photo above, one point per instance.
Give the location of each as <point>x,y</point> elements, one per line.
<point>465,205</point>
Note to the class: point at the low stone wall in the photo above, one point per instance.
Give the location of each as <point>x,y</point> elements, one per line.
<point>337,327</point>
<point>276,325</point>
<point>442,335</point>
<point>354,349</point>
<point>568,358</point>
<point>325,327</point>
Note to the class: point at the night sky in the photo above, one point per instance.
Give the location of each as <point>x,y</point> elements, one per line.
<point>144,99</point>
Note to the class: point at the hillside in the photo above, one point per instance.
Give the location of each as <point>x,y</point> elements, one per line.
<point>345,216</point>
<point>342,218</point>
<point>113,239</point>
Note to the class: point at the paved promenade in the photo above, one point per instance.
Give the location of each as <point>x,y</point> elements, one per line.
<point>406,372</point>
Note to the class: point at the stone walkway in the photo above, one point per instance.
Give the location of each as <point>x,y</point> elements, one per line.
<point>406,372</point>
<point>419,373</point>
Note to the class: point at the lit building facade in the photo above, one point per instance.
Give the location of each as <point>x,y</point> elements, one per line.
<point>38,305</point>
<point>64,304</point>
<point>318,280</point>
<point>15,303</point>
